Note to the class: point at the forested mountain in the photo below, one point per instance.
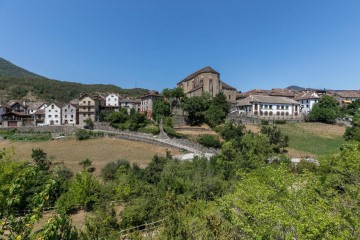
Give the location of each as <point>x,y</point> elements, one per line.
<point>18,83</point>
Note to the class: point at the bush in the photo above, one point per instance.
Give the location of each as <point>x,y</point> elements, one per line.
<point>172,133</point>
<point>82,134</point>
<point>152,129</point>
<point>109,171</point>
<point>209,140</point>
<point>280,121</point>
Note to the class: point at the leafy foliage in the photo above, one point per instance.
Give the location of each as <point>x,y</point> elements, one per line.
<point>209,140</point>
<point>278,141</point>
<point>326,110</point>
<point>40,159</point>
<point>353,133</point>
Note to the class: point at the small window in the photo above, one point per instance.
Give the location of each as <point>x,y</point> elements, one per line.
<point>56,116</point>
<point>65,116</point>
<point>72,116</point>
<point>84,102</point>
<point>49,116</point>
<point>52,106</point>
<point>56,121</point>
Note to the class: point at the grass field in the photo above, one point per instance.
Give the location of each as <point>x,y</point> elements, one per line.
<point>311,139</point>
<point>99,151</point>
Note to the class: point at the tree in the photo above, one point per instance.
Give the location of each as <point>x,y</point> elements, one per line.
<point>89,122</point>
<point>86,164</point>
<point>196,108</point>
<point>161,109</point>
<point>277,140</point>
<point>326,110</point>
<point>40,159</point>
<point>353,133</point>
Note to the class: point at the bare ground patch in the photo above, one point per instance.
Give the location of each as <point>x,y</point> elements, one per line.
<point>99,151</point>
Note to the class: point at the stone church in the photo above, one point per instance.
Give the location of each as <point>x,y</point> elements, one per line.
<point>207,80</point>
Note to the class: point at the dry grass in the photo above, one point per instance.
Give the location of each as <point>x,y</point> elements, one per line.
<point>99,151</point>
<point>324,130</point>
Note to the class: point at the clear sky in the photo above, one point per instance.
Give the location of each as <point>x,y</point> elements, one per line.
<point>156,43</point>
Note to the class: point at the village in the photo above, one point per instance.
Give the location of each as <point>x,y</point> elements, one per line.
<point>277,104</point>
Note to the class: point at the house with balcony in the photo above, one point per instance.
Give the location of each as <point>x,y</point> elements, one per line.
<point>70,114</point>
<point>89,108</point>
<point>17,119</point>
<point>52,115</point>
<point>4,108</point>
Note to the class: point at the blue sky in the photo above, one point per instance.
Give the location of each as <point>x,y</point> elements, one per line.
<point>155,44</point>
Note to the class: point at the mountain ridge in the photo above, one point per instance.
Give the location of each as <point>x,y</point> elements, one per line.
<point>17,83</point>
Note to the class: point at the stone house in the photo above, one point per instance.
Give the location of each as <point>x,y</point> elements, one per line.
<point>346,97</point>
<point>207,80</point>
<point>70,114</point>
<point>89,108</point>
<point>268,106</point>
<point>129,104</point>
<point>17,119</point>
<point>52,115</point>
<point>147,102</point>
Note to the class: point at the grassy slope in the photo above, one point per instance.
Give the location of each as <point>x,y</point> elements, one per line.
<point>311,138</point>
<point>314,138</point>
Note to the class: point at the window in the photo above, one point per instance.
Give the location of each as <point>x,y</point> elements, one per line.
<point>65,110</point>
<point>56,121</point>
<point>84,114</point>
<point>65,116</point>
<point>287,107</point>
<point>52,106</point>
<point>56,116</point>
<point>49,110</point>
<point>266,106</point>
<point>270,106</point>
<point>84,102</point>
<point>72,116</point>
<point>49,116</point>
<point>277,107</point>
<point>282,107</point>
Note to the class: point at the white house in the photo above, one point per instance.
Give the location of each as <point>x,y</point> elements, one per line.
<point>257,105</point>
<point>307,101</point>
<point>69,115</point>
<point>53,114</point>
<point>34,106</point>
<point>112,100</point>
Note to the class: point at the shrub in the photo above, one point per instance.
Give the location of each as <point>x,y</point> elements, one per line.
<point>109,171</point>
<point>82,134</point>
<point>209,140</point>
<point>172,133</point>
<point>152,129</point>
<point>280,121</point>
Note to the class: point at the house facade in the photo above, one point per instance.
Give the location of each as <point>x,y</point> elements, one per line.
<point>346,97</point>
<point>207,80</point>
<point>52,115</point>
<point>4,108</point>
<point>70,115</point>
<point>18,107</point>
<point>112,100</point>
<point>17,119</point>
<point>268,106</point>
<point>32,107</point>
<point>89,107</point>
<point>147,102</point>
<point>307,101</point>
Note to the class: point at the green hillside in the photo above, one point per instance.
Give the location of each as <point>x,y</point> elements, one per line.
<point>18,83</point>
